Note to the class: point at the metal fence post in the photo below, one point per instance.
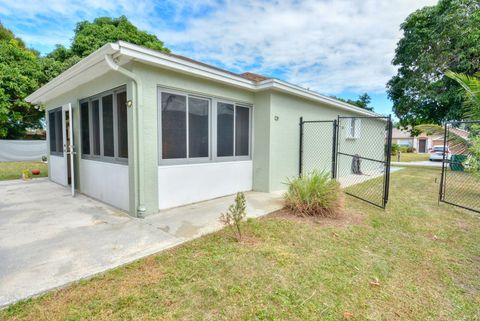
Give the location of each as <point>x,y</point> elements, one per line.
<point>300,162</point>
<point>389,158</point>
<point>445,144</point>
<point>334,150</point>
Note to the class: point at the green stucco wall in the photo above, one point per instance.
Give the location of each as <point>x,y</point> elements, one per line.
<point>285,136</point>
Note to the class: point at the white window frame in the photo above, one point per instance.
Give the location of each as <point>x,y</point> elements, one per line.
<point>90,156</point>
<point>355,125</point>
<point>212,129</point>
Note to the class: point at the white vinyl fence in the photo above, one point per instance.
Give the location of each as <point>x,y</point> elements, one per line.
<point>22,150</point>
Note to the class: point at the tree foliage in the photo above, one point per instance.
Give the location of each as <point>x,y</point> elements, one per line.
<point>436,38</point>
<point>363,101</point>
<point>23,70</point>
<point>89,36</point>
<point>471,84</point>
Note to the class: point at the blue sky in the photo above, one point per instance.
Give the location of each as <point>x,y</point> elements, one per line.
<point>335,47</point>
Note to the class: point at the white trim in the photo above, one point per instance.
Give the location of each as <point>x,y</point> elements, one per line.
<point>163,60</point>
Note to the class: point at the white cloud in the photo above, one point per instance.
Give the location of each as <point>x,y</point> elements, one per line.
<point>329,45</point>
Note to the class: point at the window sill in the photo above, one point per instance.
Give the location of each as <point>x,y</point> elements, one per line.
<point>212,163</point>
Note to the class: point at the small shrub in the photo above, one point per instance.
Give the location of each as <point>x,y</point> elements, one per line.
<point>234,215</point>
<point>315,194</point>
<point>44,158</point>
<point>395,149</point>
<point>25,174</point>
<point>404,149</point>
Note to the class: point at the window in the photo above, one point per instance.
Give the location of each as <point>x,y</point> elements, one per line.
<point>225,132</point>
<point>96,126</point>
<point>185,126</point>
<point>107,118</point>
<point>85,128</point>
<point>103,123</point>
<point>353,128</point>
<point>197,129</point>
<point>122,129</point>
<point>55,131</point>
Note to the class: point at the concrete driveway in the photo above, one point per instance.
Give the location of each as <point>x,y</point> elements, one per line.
<point>49,239</point>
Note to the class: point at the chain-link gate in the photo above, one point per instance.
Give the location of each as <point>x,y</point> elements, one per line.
<point>355,150</point>
<point>460,180</point>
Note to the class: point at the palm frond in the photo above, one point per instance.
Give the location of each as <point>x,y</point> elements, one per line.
<point>471,84</point>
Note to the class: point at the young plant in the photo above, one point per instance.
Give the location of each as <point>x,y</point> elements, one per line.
<point>25,174</point>
<point>315,194</point>
<point>234,215</point>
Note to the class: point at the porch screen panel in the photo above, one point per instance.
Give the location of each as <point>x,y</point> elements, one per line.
<point>225,129</point>
<point>85,128</point>
<point>242,131</point>
<point>197,127</point>
<point>51,132</point>
<point>122,125</point>
<point>107,118</point>
<point>174,125</point>
<point>59,130</point>
<point>96,126</point>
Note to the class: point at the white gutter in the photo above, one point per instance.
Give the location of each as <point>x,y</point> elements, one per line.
<point>139,181</point>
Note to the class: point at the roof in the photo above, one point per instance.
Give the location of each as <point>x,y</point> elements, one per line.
<point>94,65</point>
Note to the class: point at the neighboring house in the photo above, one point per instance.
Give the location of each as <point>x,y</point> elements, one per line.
<point>153,130</point>
<point>423,142</point>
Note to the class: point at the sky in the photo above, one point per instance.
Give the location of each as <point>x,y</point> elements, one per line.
<point>335,47</point>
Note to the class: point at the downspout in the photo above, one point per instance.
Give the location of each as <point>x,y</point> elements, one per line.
<point>138,150</point>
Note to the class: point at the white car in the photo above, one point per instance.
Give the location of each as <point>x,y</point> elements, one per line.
<point>436,153</point>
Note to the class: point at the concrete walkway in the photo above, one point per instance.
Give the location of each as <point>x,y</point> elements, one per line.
<point>49,239</point>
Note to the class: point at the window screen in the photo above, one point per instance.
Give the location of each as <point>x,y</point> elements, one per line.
<point>59,130</point>
<point>122,125</point>
<point>51,132</point>
<point>174,142</point>
<point>96,127</point>
<point>242,131</point>
<point>107,119</point>
<point>197,127</point>
<point>225,129</point>
<point>84,119</point>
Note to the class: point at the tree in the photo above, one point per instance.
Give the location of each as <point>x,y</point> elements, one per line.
<point>436,38</point>
<point>89,36</point>
<point>21,72</point>
<point>363,101</point>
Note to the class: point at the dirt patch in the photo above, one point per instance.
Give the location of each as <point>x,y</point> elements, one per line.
<point>345,218</point>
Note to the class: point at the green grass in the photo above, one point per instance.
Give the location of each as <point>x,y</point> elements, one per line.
<point>410,157</point>
<point>424,256</point>
<point>13,170</point>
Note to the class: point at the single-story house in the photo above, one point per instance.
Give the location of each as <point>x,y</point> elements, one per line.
<point>152,130</point>
<point>422,143</point>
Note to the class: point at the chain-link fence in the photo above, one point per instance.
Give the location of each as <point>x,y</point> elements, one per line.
<point>363,157</point>
<point>460,180</point>
<point>355,150</point>
<point>317,146</point>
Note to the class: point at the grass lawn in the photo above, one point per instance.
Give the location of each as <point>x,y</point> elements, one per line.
<point>13,170</point>
<point>410,157</point>
<point>415,261</point>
